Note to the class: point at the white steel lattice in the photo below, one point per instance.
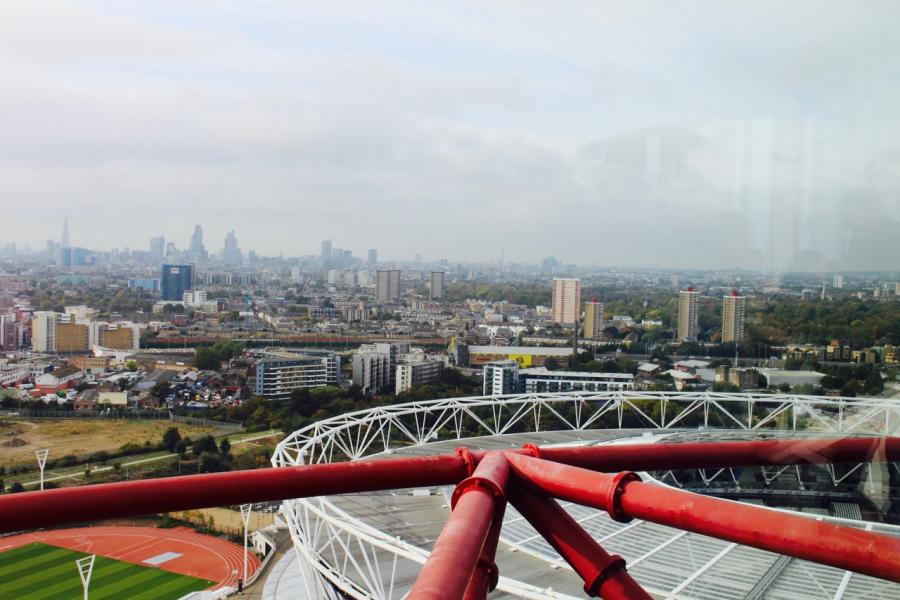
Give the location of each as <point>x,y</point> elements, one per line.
<point>337,551</point>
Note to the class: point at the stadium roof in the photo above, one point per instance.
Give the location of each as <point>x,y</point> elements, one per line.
<point>668,562</point>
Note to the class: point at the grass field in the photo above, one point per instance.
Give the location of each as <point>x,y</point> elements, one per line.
<point>80,437</point>
<point>41,572</point>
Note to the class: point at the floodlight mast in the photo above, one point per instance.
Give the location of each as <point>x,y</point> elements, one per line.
<point>85,569</point>
<point>461,565</point>
<point>246,509</point>
<point>41,456</point>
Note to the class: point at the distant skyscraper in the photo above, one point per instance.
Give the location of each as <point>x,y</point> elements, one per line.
<point>387,285</point>
<point>326,254</point>
<point>688,312</point>
<point>158,247</point>
<point>566,300</point>
<point>175,280</point>
<point>593,319</point>
<point>733,308</point>
<point>549,265</point>
<point>231,254</point>
<point>373,257</point>
<point>838,282</point>
<point>64,240</point>
<point>436,286</point>
<point>197,249</point>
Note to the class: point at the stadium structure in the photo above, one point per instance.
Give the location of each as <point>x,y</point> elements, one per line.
<point>616,494</point>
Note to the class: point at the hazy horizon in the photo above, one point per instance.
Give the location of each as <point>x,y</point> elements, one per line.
<point>722,135</point>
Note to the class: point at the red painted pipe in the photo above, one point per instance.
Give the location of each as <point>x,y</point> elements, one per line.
<point>708,455</point>
<point>627,497</point>
<point>449,568</point>
<point>604,575</point>
<point>485,577</point>
<point>49,508</point>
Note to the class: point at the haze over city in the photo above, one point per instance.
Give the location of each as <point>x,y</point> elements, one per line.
<point>449,300</point>
<point>609,134</point>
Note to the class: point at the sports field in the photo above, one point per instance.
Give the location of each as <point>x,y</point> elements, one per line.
<point>38,571</point>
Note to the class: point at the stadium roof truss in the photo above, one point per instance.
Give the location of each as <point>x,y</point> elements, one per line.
<point>546,486</point>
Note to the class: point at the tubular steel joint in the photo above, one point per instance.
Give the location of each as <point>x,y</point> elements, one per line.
<point>486,484</point>
<point>489,567</point>
<point>467,458</point>
<point>608,565</point>
<point>613,498</point>
<point>531,450</point>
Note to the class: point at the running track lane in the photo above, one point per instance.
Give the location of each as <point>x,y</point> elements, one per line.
<point>203,556</point>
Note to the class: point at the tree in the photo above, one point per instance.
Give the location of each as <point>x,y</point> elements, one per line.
<point>131,366</point>
<point>181,448</point>
<point>585,357</point>
<point>551,364</point>
<point>212,462</point>
<point>225,447</point>
<point>161,390</point>
<point>16,488</point>
<point>610,333</point>
<point>204,444</point>
<point>170,438</point>
<point>793,364</point>
<point>725,386</point>
<point>206,359</point>
<point>301,402</point>
<point>873,384</point>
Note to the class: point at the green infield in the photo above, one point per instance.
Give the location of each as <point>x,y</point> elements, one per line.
<point>38,572</point>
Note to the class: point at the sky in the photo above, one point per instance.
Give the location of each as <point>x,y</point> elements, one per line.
<point>717,134</point>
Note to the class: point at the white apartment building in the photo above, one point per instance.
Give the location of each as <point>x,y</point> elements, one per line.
<point>500,377</point>
<point>505,377</point>
<point>43,331</point>
<point>375,366</point>
<point>417,368</point>
<point>279,372</point>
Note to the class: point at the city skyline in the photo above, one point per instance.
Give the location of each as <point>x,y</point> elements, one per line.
<point>196,250</point>
<point>691,148</point>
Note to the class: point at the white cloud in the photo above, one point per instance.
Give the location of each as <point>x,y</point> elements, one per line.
<point>609,133</point>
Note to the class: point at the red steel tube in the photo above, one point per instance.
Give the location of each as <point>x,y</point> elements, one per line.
<point>708,455</point>
<point>686,455</point>
<point>453,559</point>
<point>485,577</point>
<point>604,575</point>
<point>627,497</point>
<point>49,508</point>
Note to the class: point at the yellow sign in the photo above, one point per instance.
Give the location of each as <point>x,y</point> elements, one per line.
<point>524,360</point>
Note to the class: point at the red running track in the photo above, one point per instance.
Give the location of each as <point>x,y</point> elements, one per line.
<point>202,556</point>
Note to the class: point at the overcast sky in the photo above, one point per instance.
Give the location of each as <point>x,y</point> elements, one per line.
<point>688,134</point>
